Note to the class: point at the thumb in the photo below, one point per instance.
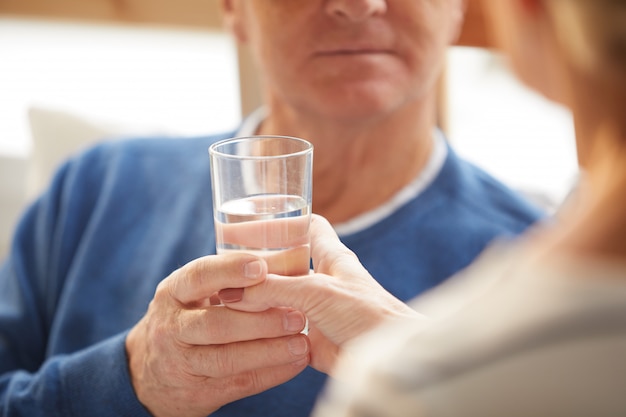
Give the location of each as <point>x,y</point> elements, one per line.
<point>201,278</point>
<point>329,255</point>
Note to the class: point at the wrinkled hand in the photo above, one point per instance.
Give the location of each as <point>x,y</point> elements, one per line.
<point>341,299</point>
<point>188,356</point>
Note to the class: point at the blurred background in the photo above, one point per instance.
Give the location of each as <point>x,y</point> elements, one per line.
<point>73,72</point>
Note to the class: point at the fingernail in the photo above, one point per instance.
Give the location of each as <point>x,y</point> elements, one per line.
<point>298,346</point>
<point>253,269</point>
<point>231,295</point>
<point>294,321</point>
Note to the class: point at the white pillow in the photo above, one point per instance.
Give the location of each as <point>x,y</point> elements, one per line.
<point>12,197</point>
<point>56,135</point>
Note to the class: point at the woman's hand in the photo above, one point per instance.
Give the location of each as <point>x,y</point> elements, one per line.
<point>340,299</point>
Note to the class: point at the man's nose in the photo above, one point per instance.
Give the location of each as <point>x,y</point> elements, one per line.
<point>355,10</point>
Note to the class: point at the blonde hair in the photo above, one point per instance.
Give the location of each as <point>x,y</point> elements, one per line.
<point>593,32</point>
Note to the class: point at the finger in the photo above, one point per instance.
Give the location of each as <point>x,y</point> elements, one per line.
<point>220,361</point>
<point>198,280</point>
<point>254,382</point>
<point>219,325</point>
<point>298,293</point>
<point>329,255</point>
<point>325,353</point>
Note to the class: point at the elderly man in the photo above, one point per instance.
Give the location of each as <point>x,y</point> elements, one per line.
<point>104,299</point>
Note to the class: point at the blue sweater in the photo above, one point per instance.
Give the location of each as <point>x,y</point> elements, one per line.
<point>88,255</point>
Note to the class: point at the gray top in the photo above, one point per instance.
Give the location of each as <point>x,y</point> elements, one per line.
<point>508,337</point>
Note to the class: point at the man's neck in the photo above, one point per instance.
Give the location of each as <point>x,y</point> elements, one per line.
<point>359,165</point>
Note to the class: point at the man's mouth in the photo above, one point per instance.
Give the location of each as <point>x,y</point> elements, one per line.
<point>353,50</point>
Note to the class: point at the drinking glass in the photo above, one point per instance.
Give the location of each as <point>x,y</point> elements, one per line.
<point>262,188</point>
